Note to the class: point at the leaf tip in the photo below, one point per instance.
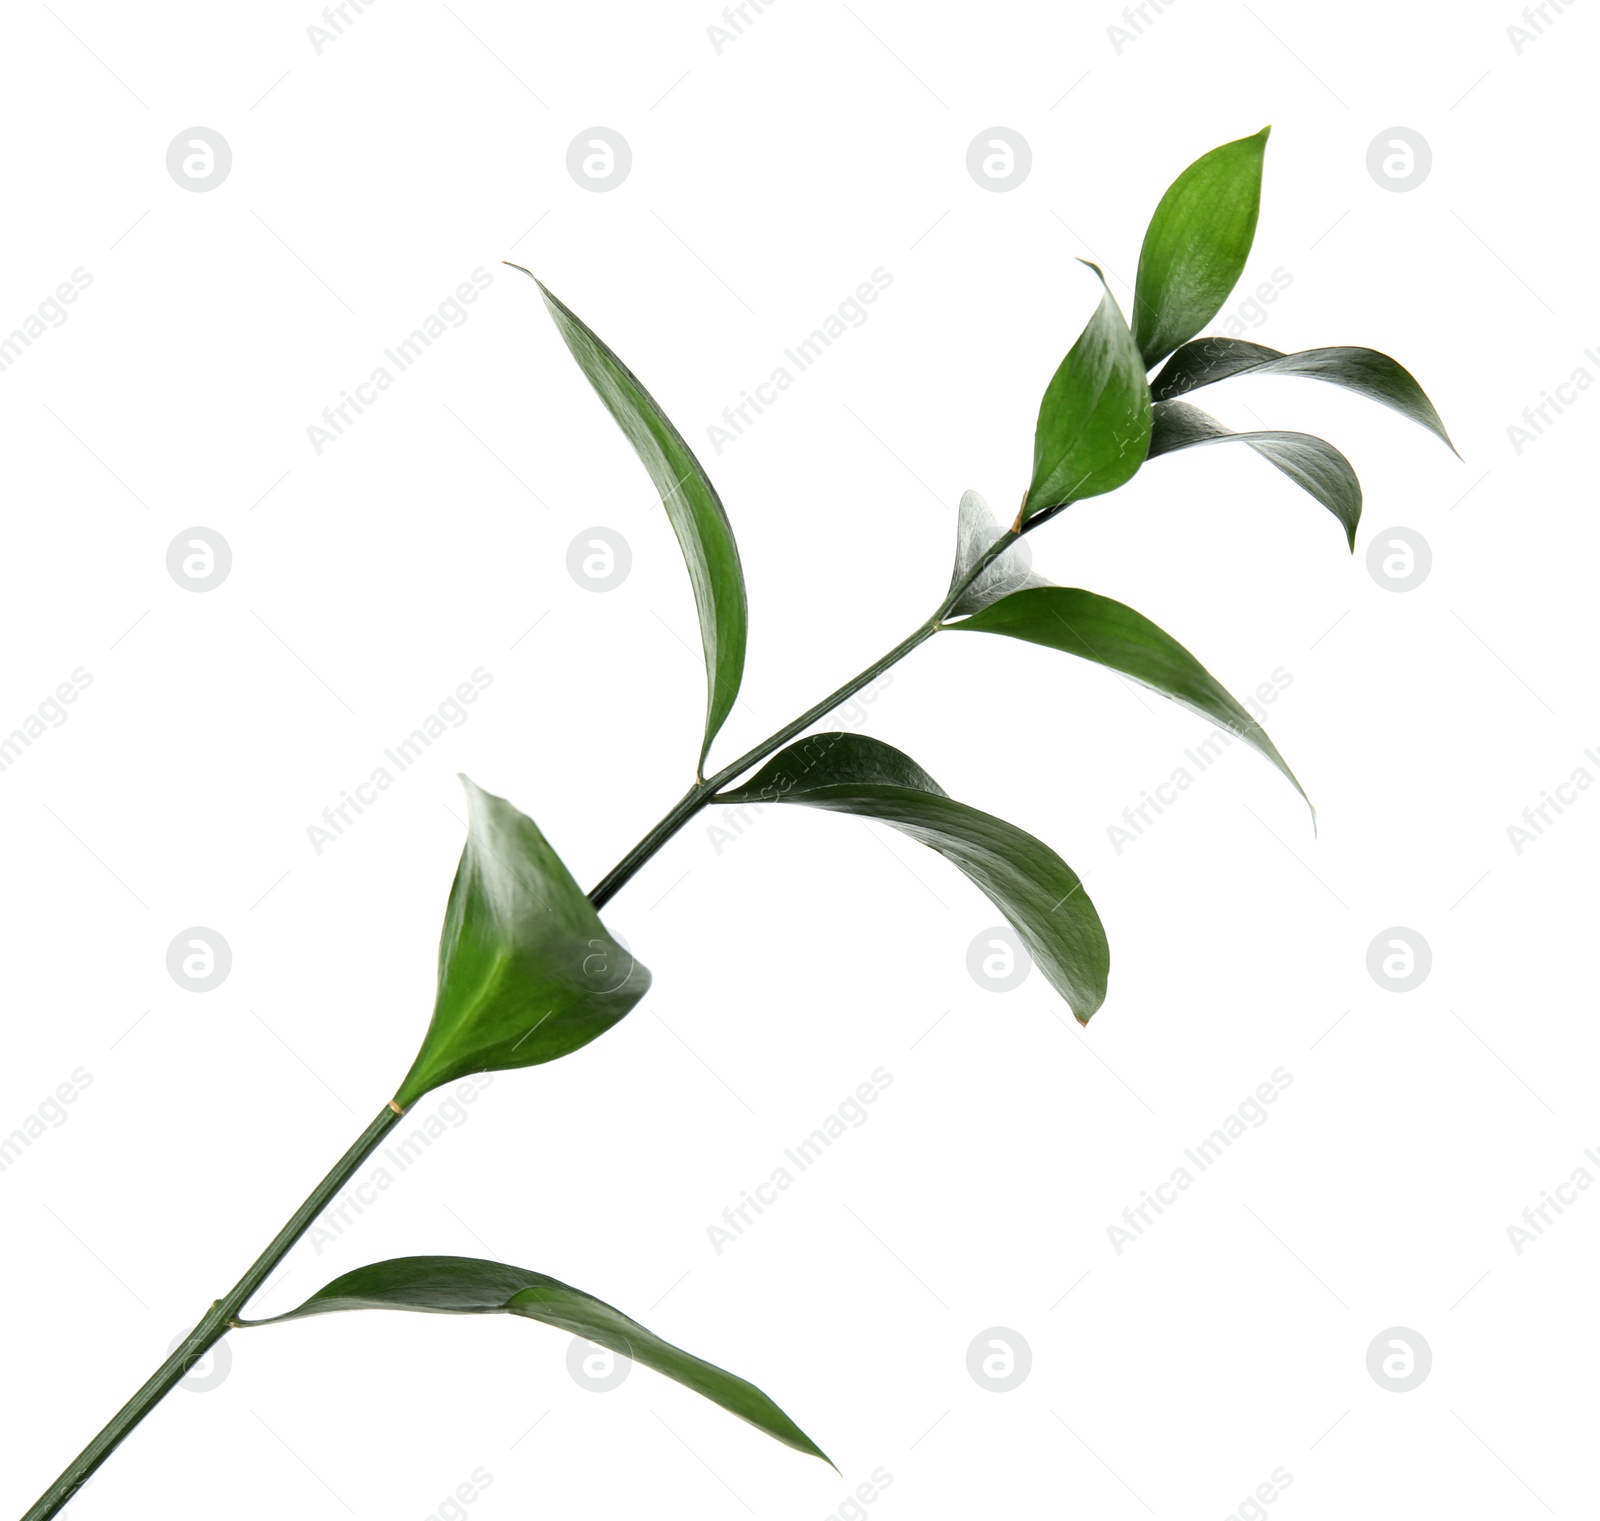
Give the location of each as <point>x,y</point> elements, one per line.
<point>480,810</point>
<point>544,290</point>
<point>800,1442</point>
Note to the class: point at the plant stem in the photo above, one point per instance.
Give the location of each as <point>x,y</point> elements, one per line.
<point>699,795</point>
<point>702,792</point>
<point>220,1318</point>
<point>212,1327</point>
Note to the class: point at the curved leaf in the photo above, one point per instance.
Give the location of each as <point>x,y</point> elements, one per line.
<point>693,508</point>
<point>527,972</point>
<point>1028,882</point>
<point>1114,635</point>
<point>471,1286</point>
<point>1094,419</point>
<point>1364,371</point>
<point>976,530</point>
<point>1196,245</point>
<point>1310,462</point>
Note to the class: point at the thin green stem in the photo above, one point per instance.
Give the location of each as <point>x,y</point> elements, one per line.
<point>213,1326</point>
<point>699,795</point>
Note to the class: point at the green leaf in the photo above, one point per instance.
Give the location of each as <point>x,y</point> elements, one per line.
<point>470,1286</point>
<point>693,508</point>
<point>1114,635</point>
<point>1364,371</point>
<point>1028,882</point>
<point>1310,462</point>
<point>976,531</point>
<point>527,972</point>
<point>1094,419</point>
<point>1196,245</point>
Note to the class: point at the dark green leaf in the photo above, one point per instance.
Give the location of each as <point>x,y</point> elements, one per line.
<point>1310,462</point>
<point>693,508</point>
<point>1364,371</point>
<point>976,531</point>
<point>1028,882</point>
<point>1196,245</point>
<point>527,972</point>
<point>1113,634</point>
<point>470,1286</point>
<point>1094,420</point>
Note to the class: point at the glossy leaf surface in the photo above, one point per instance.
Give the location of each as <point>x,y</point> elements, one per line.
<point>693,508</point>
<point>1364,371</point>
<point>471,1286</point>
<point>1094,419</point>
<point>1114,635</point>
<point>1311,463</point>
<point>527,972</point>
<point>1039,894</point>
<point>1196,246</point>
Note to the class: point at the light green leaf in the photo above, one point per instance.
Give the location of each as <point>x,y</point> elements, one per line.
<point>1094,419</point>
<point>470,1286</point>
<point>1114,635</point>
<point>1028,882</point>
<point>1310,462</point>
<point>693,508</point>
<point>527,972</point>
<point>1364,371</point>
<point>1196,245</point>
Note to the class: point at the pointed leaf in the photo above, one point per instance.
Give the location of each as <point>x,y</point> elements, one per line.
<point>1196,245</point>
<point>1028,882</point>
<point>976,530</point>
<point>693,508</point>
<point>1310,462</point>
<point>1364,371</point>
<point>527,972</point>
<point>1094,419</point>
<point>1114,635</point>
<point>471,1286</point>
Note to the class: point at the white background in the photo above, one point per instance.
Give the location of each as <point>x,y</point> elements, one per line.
<point>769,179</point>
